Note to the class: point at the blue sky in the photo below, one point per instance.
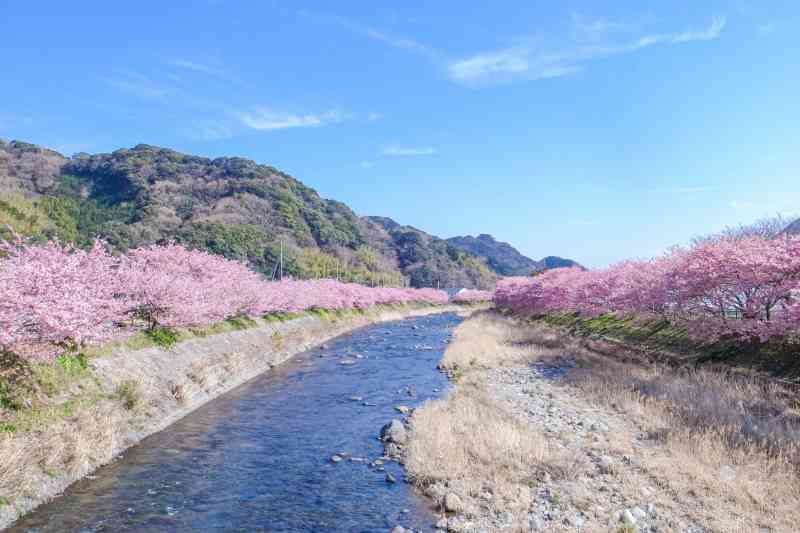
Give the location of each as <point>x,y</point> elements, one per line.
<point>591,131</point>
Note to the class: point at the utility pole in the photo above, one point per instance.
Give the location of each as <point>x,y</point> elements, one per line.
<point>281,277</point>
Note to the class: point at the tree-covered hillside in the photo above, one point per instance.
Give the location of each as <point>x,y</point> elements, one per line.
<point>228,205</point>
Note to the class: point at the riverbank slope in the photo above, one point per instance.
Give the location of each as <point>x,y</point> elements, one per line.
<point>130,394</point>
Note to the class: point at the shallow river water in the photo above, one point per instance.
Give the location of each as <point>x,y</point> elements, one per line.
<point>258,458</point>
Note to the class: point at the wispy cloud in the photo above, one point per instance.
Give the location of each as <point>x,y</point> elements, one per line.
<point>71,148</point>
<point>407,151</point>
<point>756,206</point>
<point>197,67</point>
<point>376,34</point>
<point>595,27</point>
<point>212,130</point>
<point>140,85</point>
<point>766,29</point>
<point>529,61</point>
<point>266,119</point>
<point>687,190</point>
<point>205,69</point>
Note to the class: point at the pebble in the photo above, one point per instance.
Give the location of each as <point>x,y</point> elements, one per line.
<point>390,478</point>
<point>336,458</point>
<point>606,464</point>
<point>453,503</point>
<point>628,518</point>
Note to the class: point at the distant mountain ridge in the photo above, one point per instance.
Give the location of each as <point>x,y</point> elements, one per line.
<point>793,228</point>
<point>506,260</point>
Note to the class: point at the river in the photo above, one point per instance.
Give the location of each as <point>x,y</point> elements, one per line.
<point>259,457</point>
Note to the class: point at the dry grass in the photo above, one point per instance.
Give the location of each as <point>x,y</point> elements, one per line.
<point>729,440</point>
<point>73,446</point>
<point>488,340</point>
<point>719,448</point>
<point>470,444</point>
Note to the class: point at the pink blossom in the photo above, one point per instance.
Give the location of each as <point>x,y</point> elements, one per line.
<point>730,287</point>
<point>55,297</point>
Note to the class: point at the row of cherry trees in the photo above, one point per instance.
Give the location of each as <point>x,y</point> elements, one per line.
<point>729,287</point>
<point>54,297</point>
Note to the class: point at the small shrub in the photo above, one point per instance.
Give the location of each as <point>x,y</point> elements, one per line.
<point>8,428</point>
<point>4,501</point>
<point>241,322</point>
<point>277,340</point>
<point>164,337</point>
<point>130,395</point>
<point>12,396</point>
<point>73,365</point>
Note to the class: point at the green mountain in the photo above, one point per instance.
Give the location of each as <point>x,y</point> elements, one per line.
<point>504,259</point>
<point>228,205</point>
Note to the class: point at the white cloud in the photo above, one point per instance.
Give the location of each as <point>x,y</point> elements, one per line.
<point>205,69</point>
<point>713,31</point>
<point>140,85</point>
<point>766,29</point>
<point>212,130</point>
<point>746,205</point>
<point>69,149</point>
<point>408,151</point>
<point>595,27</point>
<point>529,61</point>
<point>265,119</point>
<point>197,67</point>
<point>385,37</point>
<point>688,190</point>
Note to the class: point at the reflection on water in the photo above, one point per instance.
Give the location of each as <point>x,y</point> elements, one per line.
<point>258,458</point>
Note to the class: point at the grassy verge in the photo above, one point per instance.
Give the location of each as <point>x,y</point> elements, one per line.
<point>777,357</point>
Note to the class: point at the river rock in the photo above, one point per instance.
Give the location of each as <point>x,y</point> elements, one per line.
<point>393,451</point>
<point>390,478</point>
<point>398,529</point>
<point>628,518</point>
<point>336,458</point>
<point>394,432</point>
<point>402,409</point>
<point>453,503</point>
<point>606,464</point>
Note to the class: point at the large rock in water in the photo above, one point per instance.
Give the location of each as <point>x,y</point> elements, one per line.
<point>394,432</point>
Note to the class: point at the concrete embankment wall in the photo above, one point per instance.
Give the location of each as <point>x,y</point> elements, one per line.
<point>161,386</point>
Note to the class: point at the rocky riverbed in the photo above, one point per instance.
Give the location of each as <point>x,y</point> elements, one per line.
<point>595,466</point>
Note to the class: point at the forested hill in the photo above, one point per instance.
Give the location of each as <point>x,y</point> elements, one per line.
<point>229,205</point>
<point>504,259</point>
